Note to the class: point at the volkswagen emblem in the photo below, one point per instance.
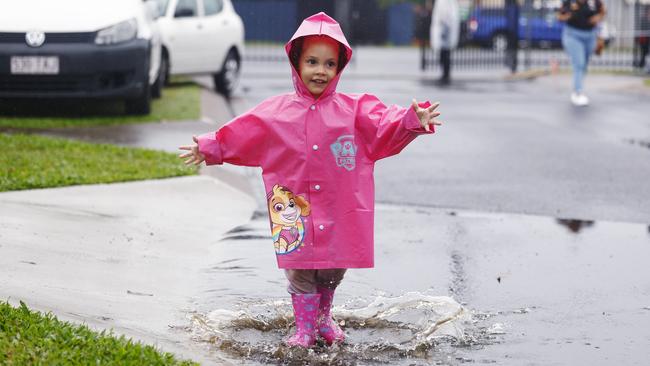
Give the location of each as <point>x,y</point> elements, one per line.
<point>35,38</point>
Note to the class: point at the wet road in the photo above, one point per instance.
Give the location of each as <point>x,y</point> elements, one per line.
<point>535,290</point>
<point>530,212</point>
<point>518,147</point>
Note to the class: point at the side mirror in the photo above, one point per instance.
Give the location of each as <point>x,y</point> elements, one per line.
<point>184,13</point>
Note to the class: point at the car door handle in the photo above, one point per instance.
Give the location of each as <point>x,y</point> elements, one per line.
<point>199,26</point>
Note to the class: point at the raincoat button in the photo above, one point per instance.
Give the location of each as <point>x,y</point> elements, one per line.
<point>317,187</point>
<point>322,227</point>
<point>312,107</point>
<point>315,147</point>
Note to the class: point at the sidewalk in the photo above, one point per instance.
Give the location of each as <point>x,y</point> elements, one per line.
<point>125,256</point>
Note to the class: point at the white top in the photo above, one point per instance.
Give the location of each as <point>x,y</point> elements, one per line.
<point>445,25</point>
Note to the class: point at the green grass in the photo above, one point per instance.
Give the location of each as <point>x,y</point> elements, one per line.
<point>180,101</point>
<point>31,338</point>
<point>30,161</point>
<point>647,82</point>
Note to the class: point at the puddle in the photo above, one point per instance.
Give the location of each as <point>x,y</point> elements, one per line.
<point>449,287</point>
<point>407,329</point>
<point>512,286</point>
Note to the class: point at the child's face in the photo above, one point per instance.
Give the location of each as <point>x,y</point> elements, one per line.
<point>318,63</point>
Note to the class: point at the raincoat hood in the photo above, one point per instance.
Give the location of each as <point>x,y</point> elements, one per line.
<point>319,24</point>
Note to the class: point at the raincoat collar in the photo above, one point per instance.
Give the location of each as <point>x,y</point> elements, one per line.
<point>316,25</point>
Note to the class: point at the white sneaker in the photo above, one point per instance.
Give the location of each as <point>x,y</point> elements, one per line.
<point>579,99</point>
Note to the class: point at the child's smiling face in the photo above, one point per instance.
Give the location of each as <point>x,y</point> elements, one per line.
<point>318,63</point>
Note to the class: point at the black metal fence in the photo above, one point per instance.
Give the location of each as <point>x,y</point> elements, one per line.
<point>491,38</point>
<point>508,34</point>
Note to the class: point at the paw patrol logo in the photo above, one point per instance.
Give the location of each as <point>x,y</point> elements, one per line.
<point>344,151</point>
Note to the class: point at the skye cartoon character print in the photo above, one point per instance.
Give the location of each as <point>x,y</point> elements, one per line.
<point>286,211</point>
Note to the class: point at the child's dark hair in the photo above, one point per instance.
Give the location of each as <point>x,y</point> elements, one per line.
<point>296,51</point>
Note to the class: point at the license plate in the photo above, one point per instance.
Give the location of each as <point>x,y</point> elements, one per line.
<point>32,65</point>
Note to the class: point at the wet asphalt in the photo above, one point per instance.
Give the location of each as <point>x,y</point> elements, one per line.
<point>549,205</point>
<point>521,207</point>
<point>539,291</point>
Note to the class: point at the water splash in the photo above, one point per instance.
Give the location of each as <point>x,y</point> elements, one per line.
<point>385,330</point>
<point>425,316</point>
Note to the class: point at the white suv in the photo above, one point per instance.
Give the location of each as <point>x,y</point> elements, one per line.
<point>80,49</point>
<point>202,37</point>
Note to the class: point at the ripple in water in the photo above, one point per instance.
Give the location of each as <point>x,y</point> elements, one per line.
<point>395,330</point>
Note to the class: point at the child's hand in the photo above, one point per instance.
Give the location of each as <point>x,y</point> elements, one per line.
<point>194,155</point>
<point>427,115</point>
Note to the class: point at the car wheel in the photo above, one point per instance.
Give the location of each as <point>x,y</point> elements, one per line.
<point>166,69</point>
<point>156,88</point>
<point>226,81</point>
<point>500,42</point>
<point>140,105</point>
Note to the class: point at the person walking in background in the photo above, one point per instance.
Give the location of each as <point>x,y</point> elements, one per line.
<point>642,38</point>
<point>445,32</point>
<point>317,149</point>
<point>422,20</point>
<point>579,39</point>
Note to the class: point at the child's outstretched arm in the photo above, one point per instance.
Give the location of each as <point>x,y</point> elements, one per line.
<point>241,141</point>
<point>386,130</point>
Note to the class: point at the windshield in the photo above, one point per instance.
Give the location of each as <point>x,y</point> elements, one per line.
<point>162,6</point>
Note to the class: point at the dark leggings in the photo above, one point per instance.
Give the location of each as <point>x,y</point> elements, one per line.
<point>445,61</point>
<point>304,281</point>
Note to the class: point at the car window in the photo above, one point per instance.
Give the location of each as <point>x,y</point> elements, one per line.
<point>162,6</point>
<point>211,7</point>
<point>186,8</point>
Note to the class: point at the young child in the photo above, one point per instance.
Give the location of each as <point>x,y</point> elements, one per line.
<point>317,149</point>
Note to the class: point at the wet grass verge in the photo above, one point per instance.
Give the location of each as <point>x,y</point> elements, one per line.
<point>31,338</point>
<point>29,162</point>
<point>181,101</point>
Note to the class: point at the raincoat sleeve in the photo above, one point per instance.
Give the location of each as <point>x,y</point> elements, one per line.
<point>385,131</point>
<point>239,142</point>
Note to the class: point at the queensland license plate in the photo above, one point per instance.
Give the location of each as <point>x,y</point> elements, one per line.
<point>32,65</point>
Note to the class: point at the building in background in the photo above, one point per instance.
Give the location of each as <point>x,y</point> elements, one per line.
<point>374,22</point>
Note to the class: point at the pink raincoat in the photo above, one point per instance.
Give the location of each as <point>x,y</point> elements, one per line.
<point>317,158</point>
